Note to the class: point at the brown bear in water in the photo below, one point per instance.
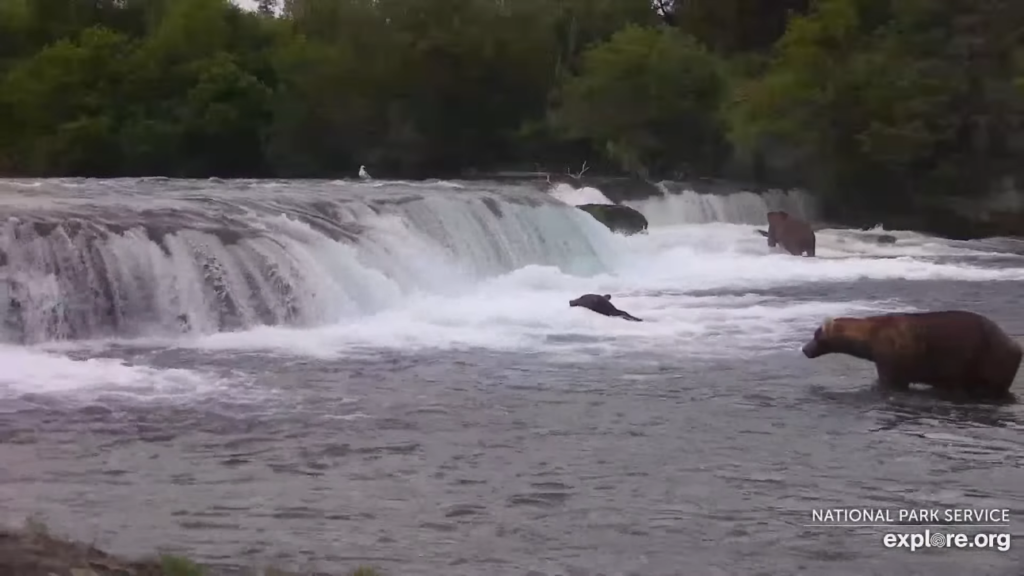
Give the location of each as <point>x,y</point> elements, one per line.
<point>956,352</point>
<point>795,235</point>
<point>602,304</point>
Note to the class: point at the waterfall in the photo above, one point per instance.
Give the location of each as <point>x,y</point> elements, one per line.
<point>737,207</point>
<point>689,207</point>
<point>126,258</point>
<point>679,204</point>
<point>140,257</point>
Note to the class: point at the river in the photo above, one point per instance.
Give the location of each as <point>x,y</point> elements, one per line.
<point>322,374</point>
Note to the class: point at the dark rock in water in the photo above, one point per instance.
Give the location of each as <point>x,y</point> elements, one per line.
<point>880,238</point>
<point>617,218</point>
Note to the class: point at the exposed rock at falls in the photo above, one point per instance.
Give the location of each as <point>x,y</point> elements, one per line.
<point>617,218</point>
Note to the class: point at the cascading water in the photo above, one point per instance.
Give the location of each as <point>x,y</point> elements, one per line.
<point>680,205</point>
<point>158,257</point>
<point>151,258</point>
<point>689,207</point>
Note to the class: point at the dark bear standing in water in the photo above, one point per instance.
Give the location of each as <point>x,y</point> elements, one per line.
<point>602,305</point>
<point>792,233</point>
<point>956,352</point>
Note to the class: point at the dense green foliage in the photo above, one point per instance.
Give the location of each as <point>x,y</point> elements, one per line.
<point>894,101</point>
<point>887,101</point>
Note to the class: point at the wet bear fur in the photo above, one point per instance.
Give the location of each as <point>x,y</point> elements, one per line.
<point>792,233</point>
<point>959,353</point>
<point>602,304</point>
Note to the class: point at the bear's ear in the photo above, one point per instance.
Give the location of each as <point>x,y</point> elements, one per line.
<point>607,296</point>
<point>826,326</point>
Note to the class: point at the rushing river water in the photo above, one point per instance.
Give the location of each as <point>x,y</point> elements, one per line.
<point>317,375</point>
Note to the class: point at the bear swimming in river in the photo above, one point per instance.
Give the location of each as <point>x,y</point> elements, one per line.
<point>602,305</point>
<point>956,352</point>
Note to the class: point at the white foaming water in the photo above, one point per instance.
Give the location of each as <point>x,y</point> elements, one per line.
<point>527,310</point>
<point>322,261</point>
<point>434,278</point>
<point>579,196</point>
<point>27,371</point>
<point>66,281</point>
<point>689,207</point>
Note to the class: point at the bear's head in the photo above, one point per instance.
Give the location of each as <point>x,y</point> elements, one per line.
<point>843,335</point>
<point>818,345</point>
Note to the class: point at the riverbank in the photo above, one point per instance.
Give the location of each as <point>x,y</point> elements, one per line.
<point>34,550</point>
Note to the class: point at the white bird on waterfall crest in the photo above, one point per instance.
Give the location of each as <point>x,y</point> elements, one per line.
<point>363,173</point>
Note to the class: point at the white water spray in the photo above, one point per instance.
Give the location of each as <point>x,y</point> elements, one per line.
<point>447,267</point>
<point>312,263</point>
<point>689,207</point>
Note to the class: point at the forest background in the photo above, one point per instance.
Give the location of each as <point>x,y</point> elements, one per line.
<point>874,105</point>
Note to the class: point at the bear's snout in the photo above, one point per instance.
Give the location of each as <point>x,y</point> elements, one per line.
<point>812,349</point>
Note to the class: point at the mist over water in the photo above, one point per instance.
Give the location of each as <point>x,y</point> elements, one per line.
<point>429,323</point>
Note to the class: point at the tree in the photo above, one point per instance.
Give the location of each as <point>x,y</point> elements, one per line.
<point>267,7</point>
<point>731,26</point>
<point>875,104</point>
<point>889,103</point>
<point>63,105</point>
<point>648,98</point>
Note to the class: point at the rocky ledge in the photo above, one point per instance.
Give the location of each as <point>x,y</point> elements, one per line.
<point>33,551</point>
